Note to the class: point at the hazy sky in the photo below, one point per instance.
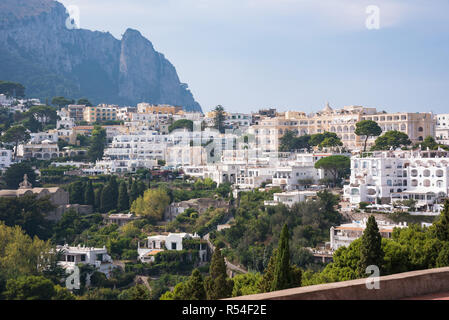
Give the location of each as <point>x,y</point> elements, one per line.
<point>293,54</point>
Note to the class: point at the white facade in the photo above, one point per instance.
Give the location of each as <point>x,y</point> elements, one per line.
<point>5,158</point>
<point>442,128</point>
<point>388,176</point>
<point>158,243</point>
<point>98,257</point>
<point>344,234</point>
<point>290,198</point>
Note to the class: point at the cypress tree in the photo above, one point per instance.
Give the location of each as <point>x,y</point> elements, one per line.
<point>282,278</point>
<point>371,252</point>
<point>123,198</point>
<point>442,226</point>
<point>114,187</point>
<point>89,196</point>
<point>280,274</point>
<point>141,186</point>
<point>77,192</point>
<point>134,193</point>
<point>218,285</point>
<point>98,192</point>
<point>108,202</point>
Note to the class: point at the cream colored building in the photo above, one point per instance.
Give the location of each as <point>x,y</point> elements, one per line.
<point>100,113</point>
<point>158,109</point>
<point>269,130</point>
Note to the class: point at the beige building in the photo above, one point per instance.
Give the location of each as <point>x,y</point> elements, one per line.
<point>57,196</point>
<point>269,130</point>
<point>100,113</point>
<point>158,109</point>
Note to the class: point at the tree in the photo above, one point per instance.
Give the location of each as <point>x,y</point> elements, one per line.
<point>318,138</point>
<point>123,198</point>
<point>429,142</point>
<point>282,276</point>
<point>331,142</point>
<point>442,225</point>
<point>137,292</point>
<point>89,195</point>
<point>98,193</point>
<point>108,202</point>
<point>391,139</point>
<point>219,118</point>
<point>194,289</point>
<point>134,192</point>
<point>152,204</point>
<point>245,284</point>
<point>182,123</point>
<point>97,144</point>
<point>77,191</point>
<point>14,174</point>
<point>28,212</point>
<point>12,89</point>
<point>29,288</point>
<point>337,165</point>
<point>6,119</point>
<point>367,128</point>
<point>114,187</point>
<point>217,285</point>
<point>287,142</point>
<point>44,114</point>
<point>84,102</point>
<point>22,255</point>
<point>371,252</point>
<point>61,102</point>
<point>16,135</point>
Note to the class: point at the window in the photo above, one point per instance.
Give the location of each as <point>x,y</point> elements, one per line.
<point>83,257</point>
<point>173,245</point>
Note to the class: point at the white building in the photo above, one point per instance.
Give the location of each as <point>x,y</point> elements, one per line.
<point>388,176</point>
<point>5,101</point>
<point>5,159</point>
<point>159,243</point>
<point>442,128</point>
<point>45,150</point>
<point>97,257</point>
<point>290,198</point>
<point>344,234</point>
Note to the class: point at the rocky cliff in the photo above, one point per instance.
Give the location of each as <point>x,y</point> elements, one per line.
<point>49,59</point>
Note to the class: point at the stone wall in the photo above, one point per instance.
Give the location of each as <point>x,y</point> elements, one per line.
<point>392,287</point>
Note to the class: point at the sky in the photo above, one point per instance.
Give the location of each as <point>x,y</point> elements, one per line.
<point>294,54</point>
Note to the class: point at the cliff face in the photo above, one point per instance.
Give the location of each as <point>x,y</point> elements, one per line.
<point>38,50</point>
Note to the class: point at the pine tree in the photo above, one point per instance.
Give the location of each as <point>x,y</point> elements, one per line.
<point>371,252</point>
<point>123,198</point>
<point>89,196</point>
<point>217,285</point>
<point>442,226</point>
<point>282,277</point>
<point>195,287</point>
